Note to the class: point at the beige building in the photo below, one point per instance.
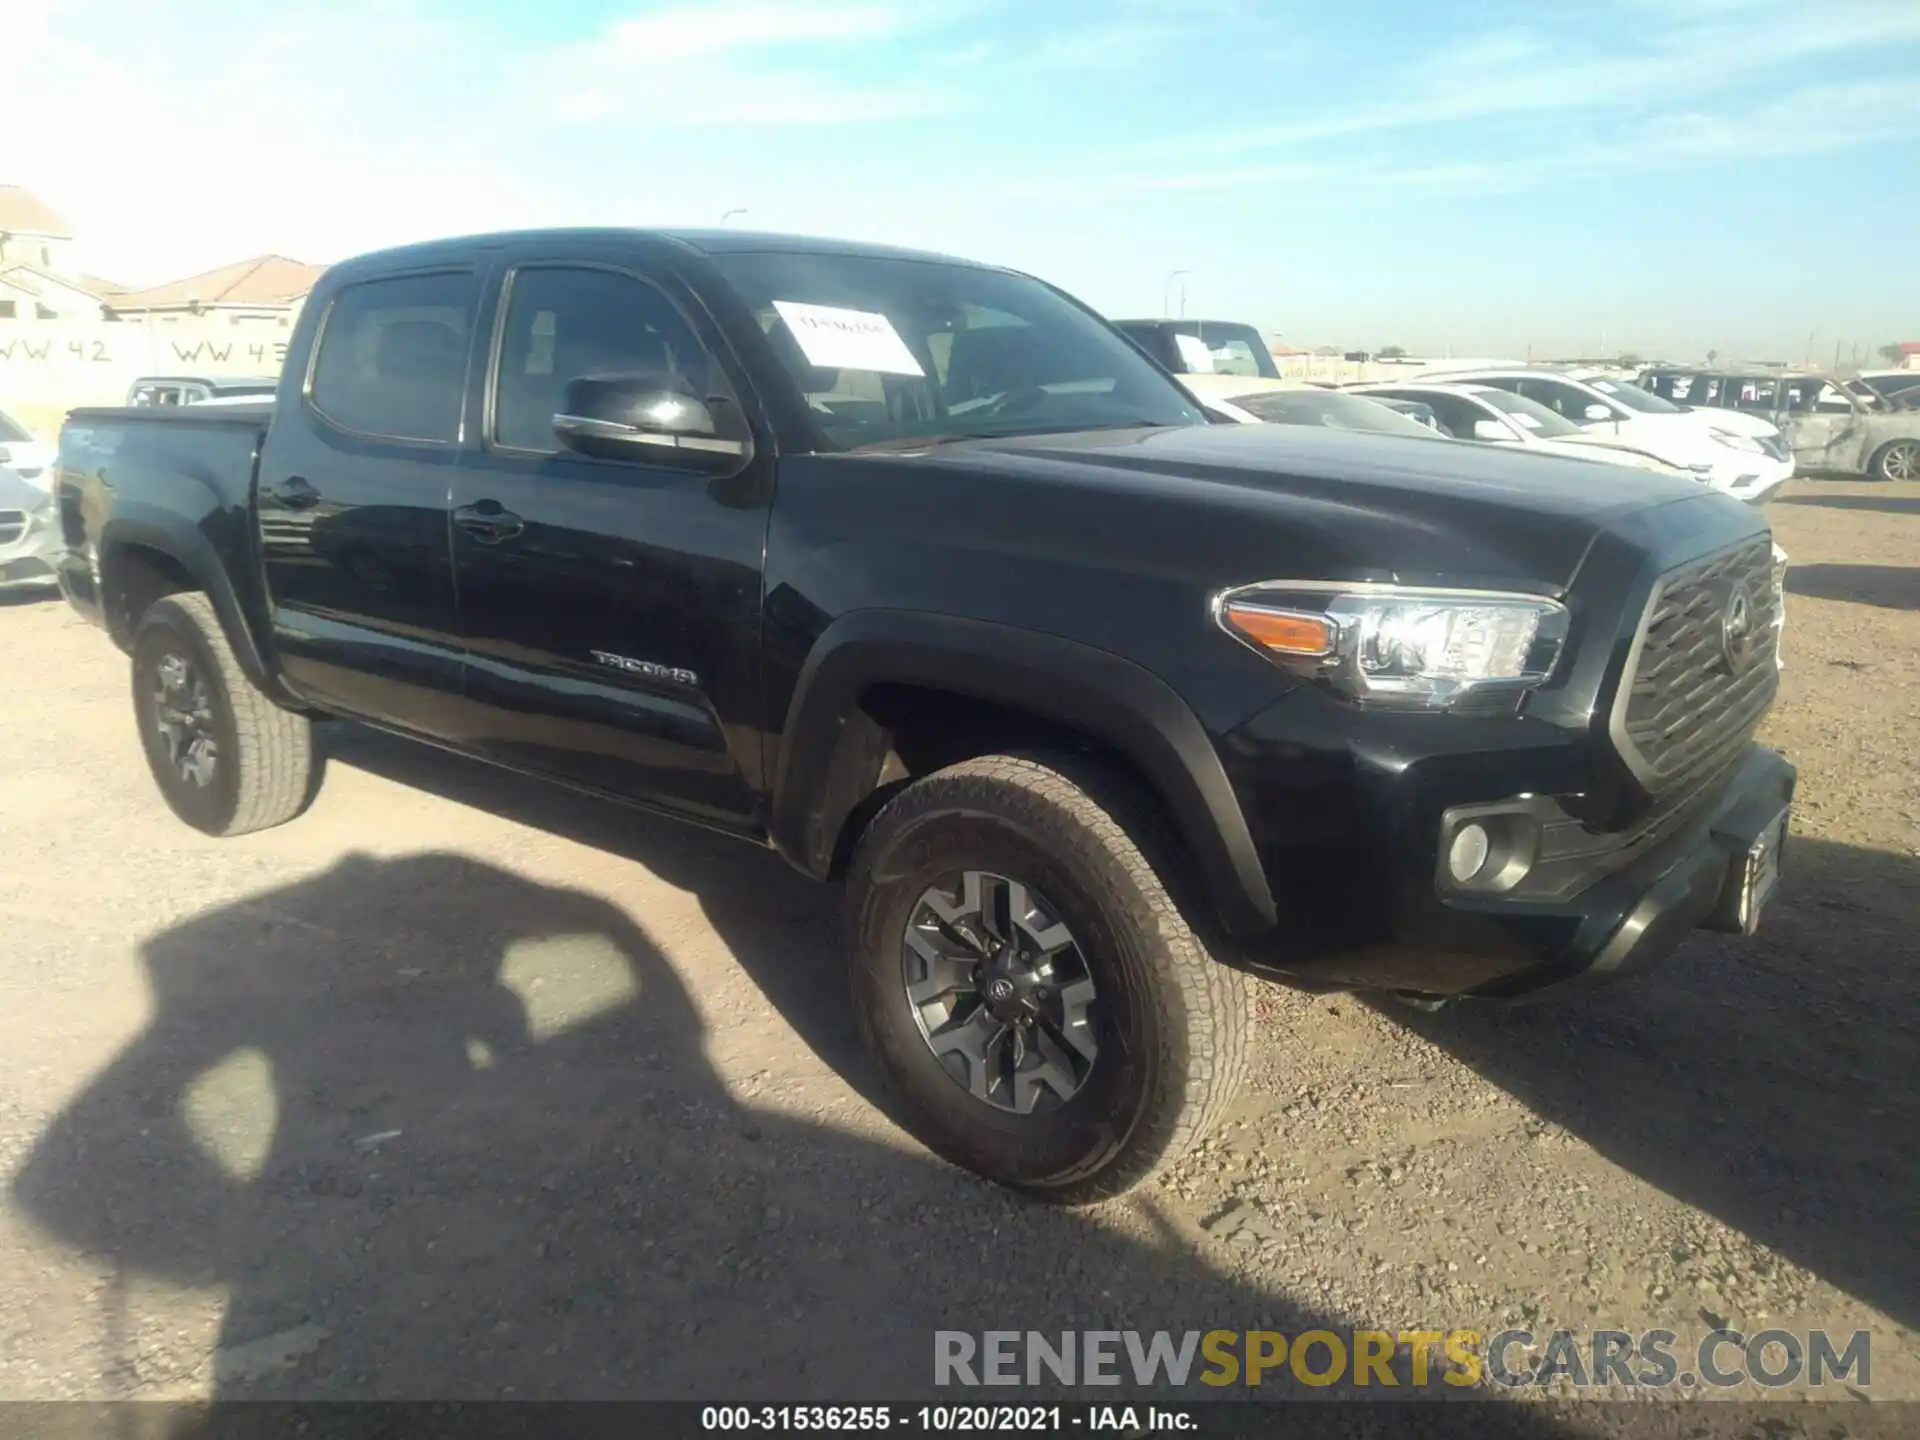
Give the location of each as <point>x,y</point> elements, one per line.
<point>41,280</point>
<point>265,291</point>
<point>68,338</point>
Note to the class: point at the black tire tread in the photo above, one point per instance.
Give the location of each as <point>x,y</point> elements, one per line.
<point>1203,1006</point>
<point>274,766</point>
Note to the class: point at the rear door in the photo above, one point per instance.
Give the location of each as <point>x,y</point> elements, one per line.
<point>354,487</point>
<point>1824,429</point>
<point>611,608</point>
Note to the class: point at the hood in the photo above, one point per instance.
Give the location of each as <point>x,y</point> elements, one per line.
<point>1738,422</point>
<point>1591,445</point>
<point>1313,503</point>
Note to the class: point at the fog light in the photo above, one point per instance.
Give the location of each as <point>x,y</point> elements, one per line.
<point>1468,852</point>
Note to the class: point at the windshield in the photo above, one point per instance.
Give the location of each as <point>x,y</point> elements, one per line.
<point>10,431</point>
<point>1331,409</point>
<point>1633,397</point>
<point>888,351</point>
<point>1535,418</point>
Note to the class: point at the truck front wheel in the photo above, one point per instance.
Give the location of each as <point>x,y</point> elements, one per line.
<point>226,758</point>
<point>1025,979</point>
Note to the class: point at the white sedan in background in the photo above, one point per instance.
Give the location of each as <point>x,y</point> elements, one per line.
<point>1492,416</point>
<point>1253,399</point>
<point>1747,456</point>
<point>29,530</point>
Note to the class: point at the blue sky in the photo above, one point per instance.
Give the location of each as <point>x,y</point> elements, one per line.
<point>1658,175</point>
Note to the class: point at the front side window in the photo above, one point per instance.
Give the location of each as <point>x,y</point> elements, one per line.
<point>11,430</point>
<point>393,356</point>
<point>887,351</point>
<point>1530,415</point>
<point>1568,401</point>
<point>564,323</point>
<point>1622,392</point>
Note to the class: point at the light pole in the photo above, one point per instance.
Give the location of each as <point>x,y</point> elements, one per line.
<point>731,213</point>
<point>1165,289</point>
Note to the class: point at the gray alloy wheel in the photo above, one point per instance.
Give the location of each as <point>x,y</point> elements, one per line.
<point>226,758</point>
<point>1900,461</point>
<point>183,714</point>
<point>1000,991</point>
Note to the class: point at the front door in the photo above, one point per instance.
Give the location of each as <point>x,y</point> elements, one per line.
<point>611,608</point>
<point>354,483</point>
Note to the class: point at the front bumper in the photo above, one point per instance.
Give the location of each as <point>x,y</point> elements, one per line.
<point>1754,479</point>
<point>1608,913</point>
<point>30,548</point>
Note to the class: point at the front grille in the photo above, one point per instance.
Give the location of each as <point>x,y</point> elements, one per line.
<point>1685,710</point>
<point>13,524</point>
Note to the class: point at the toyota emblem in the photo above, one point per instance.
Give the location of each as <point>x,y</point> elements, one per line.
<point>1737,635</point>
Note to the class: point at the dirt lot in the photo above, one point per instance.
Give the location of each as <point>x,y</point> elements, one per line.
<point>458,1086</point>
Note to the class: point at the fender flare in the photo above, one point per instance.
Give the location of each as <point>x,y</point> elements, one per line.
<point>831,752</point>
<point>181,540</point>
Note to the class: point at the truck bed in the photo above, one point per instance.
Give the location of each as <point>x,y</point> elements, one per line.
<point>156,478</point>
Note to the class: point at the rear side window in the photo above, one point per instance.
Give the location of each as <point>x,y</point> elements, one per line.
<point>393,356</point>
<point>564,323</point>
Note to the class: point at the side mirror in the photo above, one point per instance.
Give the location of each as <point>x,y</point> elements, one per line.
<point>645,416</point>
<point>1598,412</point>
<point>1492,430</point>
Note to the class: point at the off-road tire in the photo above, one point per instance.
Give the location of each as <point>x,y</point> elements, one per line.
<point>1174,1043</point>
<point>263,755</point>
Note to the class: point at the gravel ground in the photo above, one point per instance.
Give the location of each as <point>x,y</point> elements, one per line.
<point>459,1086</point>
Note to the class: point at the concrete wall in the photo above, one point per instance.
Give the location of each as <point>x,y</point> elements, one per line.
<point>47,369</point>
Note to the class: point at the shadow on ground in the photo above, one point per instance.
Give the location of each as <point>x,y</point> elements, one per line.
<point>1768,1082</point>
<point>442,1132</point>
<point>1888,504</point>
<point>1892,587</point>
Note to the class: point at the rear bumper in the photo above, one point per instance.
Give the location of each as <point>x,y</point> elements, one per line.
<point>1612,920</point>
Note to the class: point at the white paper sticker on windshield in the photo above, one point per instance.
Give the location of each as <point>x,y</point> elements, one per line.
<point>837,339</point>
<point>1194,354</point>
<point>1532,422</point>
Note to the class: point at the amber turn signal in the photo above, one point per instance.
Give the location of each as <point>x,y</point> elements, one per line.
<point>1285,632</point>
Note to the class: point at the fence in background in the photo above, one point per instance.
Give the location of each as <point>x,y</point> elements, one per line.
<point>46,370</point>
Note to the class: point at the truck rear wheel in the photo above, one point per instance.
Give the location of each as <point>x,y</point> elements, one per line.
<point>1025,979</point>
<point>226,758</point>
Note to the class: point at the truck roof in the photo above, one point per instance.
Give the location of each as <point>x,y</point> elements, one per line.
<point>706,242</point>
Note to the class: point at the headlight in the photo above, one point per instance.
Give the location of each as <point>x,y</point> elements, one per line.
<point>1739,442</point>
<point>1410,649</point>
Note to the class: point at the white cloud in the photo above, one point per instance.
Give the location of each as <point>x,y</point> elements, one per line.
<point>741,63</point>
<point>679,34</point>
<point>1713,48</point>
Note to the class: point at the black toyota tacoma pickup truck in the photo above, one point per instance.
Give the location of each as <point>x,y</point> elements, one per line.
<point>920,573</point>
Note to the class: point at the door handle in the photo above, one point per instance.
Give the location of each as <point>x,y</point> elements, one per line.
<point>488,522</point>
<point>295,493</point>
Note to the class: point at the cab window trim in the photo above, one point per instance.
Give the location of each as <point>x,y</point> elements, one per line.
<point>313,406</point>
